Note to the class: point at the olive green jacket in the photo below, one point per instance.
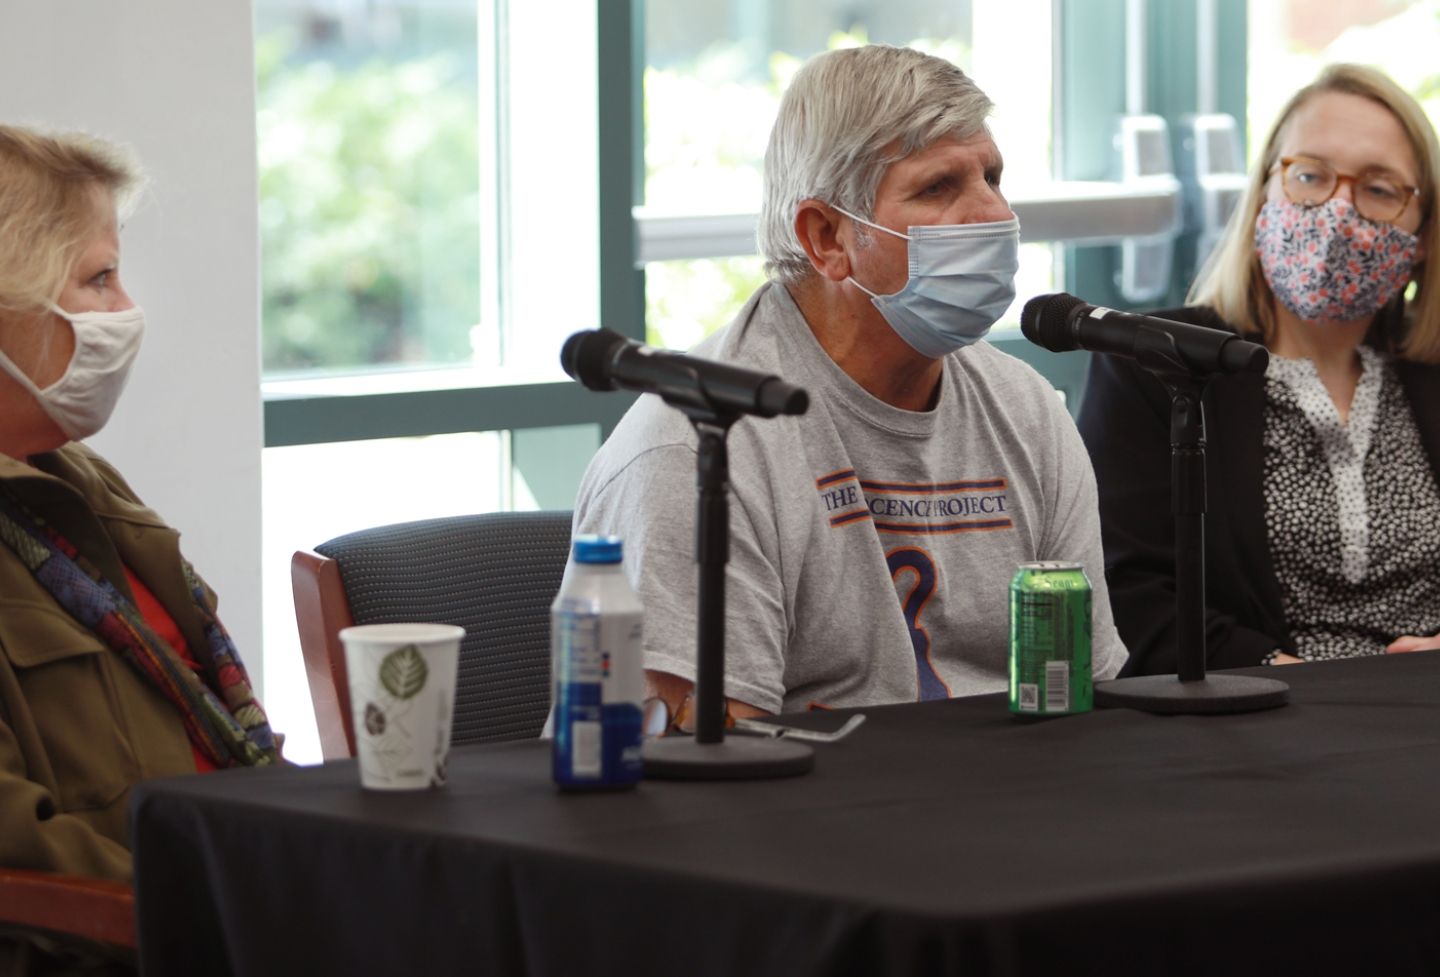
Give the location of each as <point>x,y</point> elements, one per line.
<point>78,724</point>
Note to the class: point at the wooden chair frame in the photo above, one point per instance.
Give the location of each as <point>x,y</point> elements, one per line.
<point>97,910</point>
<point>321,611</point>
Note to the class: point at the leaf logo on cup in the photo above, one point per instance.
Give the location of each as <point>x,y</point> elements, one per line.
<point>403,672</point>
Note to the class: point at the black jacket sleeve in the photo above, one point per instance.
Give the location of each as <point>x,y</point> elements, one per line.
<point>1125,421</point>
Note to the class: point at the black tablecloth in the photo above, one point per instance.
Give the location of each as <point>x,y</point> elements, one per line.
<point>941,838</point>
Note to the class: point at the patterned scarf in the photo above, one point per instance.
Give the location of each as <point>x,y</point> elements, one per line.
<point>233,733</point>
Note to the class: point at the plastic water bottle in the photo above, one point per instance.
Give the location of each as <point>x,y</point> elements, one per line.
<point>595,632</point>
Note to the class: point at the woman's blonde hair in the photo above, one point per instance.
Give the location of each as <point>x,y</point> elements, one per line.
<point>48,185</point>
<point>1232,282</point>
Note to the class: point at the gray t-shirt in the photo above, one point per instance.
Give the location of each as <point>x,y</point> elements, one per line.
<point>871,547</point>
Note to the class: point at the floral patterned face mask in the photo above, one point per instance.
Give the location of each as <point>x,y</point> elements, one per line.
<point>1328,262</point>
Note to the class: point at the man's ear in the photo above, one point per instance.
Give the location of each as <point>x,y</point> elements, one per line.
<point>817,228</point>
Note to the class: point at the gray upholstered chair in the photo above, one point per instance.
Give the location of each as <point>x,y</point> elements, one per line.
<point>493,574</point>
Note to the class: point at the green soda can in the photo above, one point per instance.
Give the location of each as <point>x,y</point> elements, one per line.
<point>1050,640</point>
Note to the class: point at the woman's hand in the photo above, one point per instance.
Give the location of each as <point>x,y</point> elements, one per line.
<point>1283,659</point>
<point>1408,642</point>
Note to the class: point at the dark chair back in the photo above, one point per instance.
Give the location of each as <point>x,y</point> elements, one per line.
<point>494,574</point>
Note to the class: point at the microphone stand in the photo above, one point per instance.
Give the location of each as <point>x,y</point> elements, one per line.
<point>1190,690</point>
<point>709,755</point>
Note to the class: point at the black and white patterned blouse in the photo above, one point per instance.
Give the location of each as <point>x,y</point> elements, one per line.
<point>1351,510</point>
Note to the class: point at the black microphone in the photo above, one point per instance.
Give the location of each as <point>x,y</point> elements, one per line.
<point>1062,322</point>
<point>602,359</point>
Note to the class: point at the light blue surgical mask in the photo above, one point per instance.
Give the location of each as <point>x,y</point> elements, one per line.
<point>962,279</point>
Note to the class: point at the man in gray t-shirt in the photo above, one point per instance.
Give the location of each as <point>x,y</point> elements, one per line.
<point>873,538</point>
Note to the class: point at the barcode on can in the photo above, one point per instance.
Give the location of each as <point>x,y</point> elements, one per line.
<point>585,740</point>
<point>1057,686</point>
<point>1029,697</point>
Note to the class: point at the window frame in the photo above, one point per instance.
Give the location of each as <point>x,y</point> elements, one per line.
<point>1090,94</point>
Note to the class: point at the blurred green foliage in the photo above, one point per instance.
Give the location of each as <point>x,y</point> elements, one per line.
<point>369,214</point>
<point>685,301</point>
<point>369,165</point>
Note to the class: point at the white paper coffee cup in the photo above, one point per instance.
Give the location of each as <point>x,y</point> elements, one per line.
<point>402,697</point>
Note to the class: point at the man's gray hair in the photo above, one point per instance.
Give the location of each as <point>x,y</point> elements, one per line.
<point>847,116</point>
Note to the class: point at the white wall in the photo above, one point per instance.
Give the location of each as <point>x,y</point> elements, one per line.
<point>175,80</point>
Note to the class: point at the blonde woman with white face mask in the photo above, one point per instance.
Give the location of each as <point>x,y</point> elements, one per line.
<point>1323,502</point>
<point>113,664</point>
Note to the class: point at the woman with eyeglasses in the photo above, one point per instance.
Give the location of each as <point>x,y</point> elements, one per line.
<point>1323,524</point>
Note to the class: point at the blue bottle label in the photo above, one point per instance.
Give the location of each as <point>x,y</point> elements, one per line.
<point>597,740</point>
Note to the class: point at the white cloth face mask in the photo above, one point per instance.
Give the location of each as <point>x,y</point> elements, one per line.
<point>962,279</point>
<point>84,397</point>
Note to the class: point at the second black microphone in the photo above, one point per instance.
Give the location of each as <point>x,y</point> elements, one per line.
<point>1062,322</point>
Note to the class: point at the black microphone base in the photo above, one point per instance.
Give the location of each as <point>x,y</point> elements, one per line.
<point>1212,695</point>
<point>734,758</point>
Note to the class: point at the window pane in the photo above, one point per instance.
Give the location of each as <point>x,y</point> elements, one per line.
<point>687,300</point>
<point>423,186</point>
<point>369,182</point>
<point>548,211</point>
<point>1290,42</point>
<point>547,464</point>
<point>713,81</point>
